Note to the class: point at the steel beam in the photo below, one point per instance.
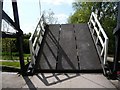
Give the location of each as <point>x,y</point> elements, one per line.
<point>19,36</point>
<point>9,20</point>
<point>8,35</point>
<point>1,7</point>
<point>15,13</point>
<point>117,43</point>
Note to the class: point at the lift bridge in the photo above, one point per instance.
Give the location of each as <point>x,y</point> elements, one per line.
<point>69,47</point>
<point>62,48</point>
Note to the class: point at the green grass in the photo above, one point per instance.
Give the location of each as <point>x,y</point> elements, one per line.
<point>15,56</point>
<point>10,58</point>
<point>13,64</point>
<point>0,63</point>
<point>26,55</point>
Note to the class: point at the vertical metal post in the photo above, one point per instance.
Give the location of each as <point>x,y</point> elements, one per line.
<point>117,43</point>
<point>19,35</point>
<point>1,8</point>
<point>99,10</point>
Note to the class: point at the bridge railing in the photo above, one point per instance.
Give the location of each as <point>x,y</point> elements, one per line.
<point>35,40</point>
<point>99,36</point>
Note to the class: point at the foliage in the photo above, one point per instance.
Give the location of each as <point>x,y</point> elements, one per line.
<point>27,36</point>
<point>26,46</point>
<point>10,49</point>
<point>82,12</point>
<point>10,45</point>
<point>50,17</point>
<point>106,11</point>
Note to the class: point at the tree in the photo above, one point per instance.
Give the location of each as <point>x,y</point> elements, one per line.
<point>50,17</point>
<point>106,12</point>
<point>82,12</point>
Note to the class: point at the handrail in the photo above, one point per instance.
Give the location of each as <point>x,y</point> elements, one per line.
<point>99,37</point>
<point>36,28</point>
<point>101,29</point>
<point>35,41</point>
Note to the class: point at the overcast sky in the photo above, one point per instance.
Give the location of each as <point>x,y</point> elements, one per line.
<point>29,11</point>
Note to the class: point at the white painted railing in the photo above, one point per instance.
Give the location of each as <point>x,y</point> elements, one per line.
<point>99,36</point>
<point>35,41</point>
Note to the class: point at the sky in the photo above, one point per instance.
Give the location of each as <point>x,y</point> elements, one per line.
<point>29,11</point>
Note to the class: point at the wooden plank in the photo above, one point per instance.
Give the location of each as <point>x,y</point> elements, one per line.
<point>88,57</point>
<point>49,54</point>
<point>67,58</point>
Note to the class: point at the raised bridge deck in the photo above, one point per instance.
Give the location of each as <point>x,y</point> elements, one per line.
<point>69,47</point>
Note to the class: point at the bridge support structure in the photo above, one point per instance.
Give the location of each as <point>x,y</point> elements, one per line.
<point>117,44</point>
<point>1,6</point>
<point>15,24</point>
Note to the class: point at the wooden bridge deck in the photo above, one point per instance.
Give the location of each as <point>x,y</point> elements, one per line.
<point>69,47</point>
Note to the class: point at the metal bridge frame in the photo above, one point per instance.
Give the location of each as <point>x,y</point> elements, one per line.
<point>1,7</point>
<point>15,24</point>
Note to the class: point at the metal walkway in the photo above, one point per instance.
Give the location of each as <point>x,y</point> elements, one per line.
<point>69,47</point>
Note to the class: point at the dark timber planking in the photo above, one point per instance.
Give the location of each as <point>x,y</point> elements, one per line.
<point>67,52</point>
<point>88,57</point>
<point>49,54</point>
<point>69,47</point>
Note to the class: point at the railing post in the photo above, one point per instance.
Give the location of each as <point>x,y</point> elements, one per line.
<point>99,10</point>
<point>106,51</point>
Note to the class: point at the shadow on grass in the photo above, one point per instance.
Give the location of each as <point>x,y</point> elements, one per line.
<point>9,69</point>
